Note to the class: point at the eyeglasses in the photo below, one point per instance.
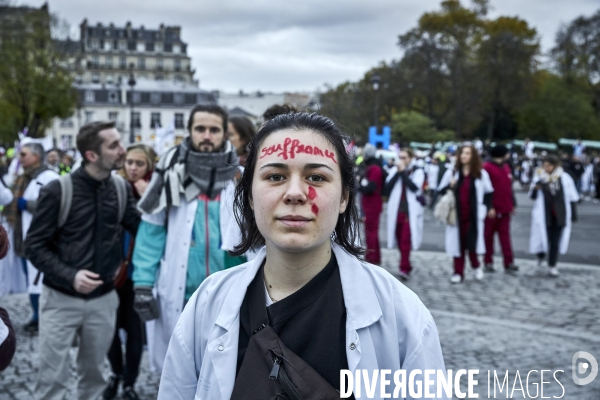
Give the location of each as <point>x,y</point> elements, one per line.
<point>23,154</point>
<point>139,163</point>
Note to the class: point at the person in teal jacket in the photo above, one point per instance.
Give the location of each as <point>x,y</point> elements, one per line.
<point>187,226</point>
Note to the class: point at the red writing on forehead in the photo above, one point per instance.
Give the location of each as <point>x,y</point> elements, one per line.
<point>290,148</point>
<point>312,193</point>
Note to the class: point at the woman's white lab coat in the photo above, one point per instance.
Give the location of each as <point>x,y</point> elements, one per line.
<point>538,237</point>
<point>387,327</point>
<point>415,209</point>
<point>482,187</point>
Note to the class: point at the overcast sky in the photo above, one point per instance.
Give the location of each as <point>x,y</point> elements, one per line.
<point>274,45</point>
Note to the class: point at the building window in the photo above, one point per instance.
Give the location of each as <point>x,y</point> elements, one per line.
<point>95,77</point>
<point>159,64</point>
<point>135,117</point>
<point>113,115</point>
<point>108,61</point>
<point>89,96</point>
<point>179,78</point>
<point>141,63</point>
<point>66,123</point>
<point>178,98</point>
<point>178,65</point>
<point>160,78</point>
<point>137,97</point>
<point>66,142</point>
<point>123,62</point>
<point>94,44</point>
<point>89,117</point>
<point>123,45</point>
<point>141,46</point>
<point>155,98</point>
<point>178,121</point>
<point>109,79</point>
<point>176,48</point>
<point>155,120</point>
<point>113,97</point>
<point>95,61</point>
<point>159,47</point>
<point>108,45</point>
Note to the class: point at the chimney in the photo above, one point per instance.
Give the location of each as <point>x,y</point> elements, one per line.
<point>128,28</point>
<point>83,30</point>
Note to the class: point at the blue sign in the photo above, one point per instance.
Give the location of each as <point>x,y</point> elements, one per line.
<point>380,140</point>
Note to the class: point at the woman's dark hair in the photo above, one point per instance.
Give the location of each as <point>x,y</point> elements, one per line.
<point>245,128</point>
<point>346,230</point>
<point>552,160</point>
<point>475,164</point>
<point>278,109</point>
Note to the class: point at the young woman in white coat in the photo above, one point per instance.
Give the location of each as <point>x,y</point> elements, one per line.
<point>404,210</point>
<point>473,193</point>
<point>334,312</point>
<point>555,197</point>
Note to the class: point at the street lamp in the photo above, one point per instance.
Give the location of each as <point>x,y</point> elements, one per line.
<point>131,84</point>
<point>376,81</point>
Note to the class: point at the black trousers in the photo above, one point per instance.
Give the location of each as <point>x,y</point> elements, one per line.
<point>128,320</point>
<point>554,232</point>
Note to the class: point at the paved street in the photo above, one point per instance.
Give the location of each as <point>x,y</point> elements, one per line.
<point>516,323</point>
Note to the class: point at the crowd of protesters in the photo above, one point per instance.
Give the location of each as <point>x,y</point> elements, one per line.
<point>481,178</point>
<point>121,251</point>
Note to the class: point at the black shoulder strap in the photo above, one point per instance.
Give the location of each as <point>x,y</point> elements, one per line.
<point>257,302</point>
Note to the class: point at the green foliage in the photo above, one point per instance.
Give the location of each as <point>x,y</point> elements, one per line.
<point>411,126</point>
<point>559,110</point>
<point>35,81</point>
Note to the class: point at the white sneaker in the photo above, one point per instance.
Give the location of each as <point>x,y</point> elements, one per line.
<point>554,271</point>
<point>479,273</point>
<point>456,278</point>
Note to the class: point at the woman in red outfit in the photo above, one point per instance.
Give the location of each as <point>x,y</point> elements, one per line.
<point>405,208</point>
<point>370,186</point>
<point>473,193</point>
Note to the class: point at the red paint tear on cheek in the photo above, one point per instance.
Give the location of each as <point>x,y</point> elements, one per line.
<point>312,193</point>
<point>315,209</point>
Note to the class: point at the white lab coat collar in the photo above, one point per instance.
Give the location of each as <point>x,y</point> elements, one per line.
<point>362,305</point>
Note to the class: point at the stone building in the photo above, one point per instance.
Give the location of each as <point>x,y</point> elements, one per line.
<point>110,53</point>
<point>156,104</point>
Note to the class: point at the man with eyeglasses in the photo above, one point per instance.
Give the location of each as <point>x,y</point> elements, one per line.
<point>26,191</point>
<point>187,225</point>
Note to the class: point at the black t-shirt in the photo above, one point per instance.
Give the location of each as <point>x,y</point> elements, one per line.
<point>310,322</point>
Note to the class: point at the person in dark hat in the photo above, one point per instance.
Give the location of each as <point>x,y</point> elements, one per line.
<point>504,203</point>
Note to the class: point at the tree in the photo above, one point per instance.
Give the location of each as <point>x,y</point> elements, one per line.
<point>558,109</point>
<point>576,54</point>
<point>507,61</point>
<point>35,78</point>
<point>412,126</point>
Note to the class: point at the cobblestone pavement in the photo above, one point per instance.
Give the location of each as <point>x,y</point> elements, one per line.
<point>514,323</point>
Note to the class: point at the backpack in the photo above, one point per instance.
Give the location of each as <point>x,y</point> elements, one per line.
<point>66,198</point>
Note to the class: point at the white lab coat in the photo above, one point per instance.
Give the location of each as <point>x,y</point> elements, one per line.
<point>433,171</point>
<point>387,327</point>
<point>32,192</point>
<point>12,276</point>
<point>415,209</point>
<point>538,237</point>
<point>169,288</point>
<point>482,187</point>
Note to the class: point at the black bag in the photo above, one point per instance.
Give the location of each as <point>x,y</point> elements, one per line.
<point>272,371</point>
